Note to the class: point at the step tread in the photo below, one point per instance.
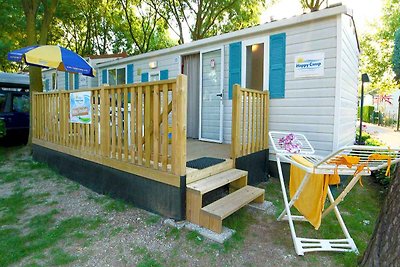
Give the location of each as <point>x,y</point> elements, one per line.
<point>227,205</point>
<point>194,175</point>
<point>217,180</point>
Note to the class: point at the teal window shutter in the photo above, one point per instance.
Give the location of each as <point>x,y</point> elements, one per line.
<point>46,85</point>
<point>145,77</point>
<point>129,74</point>
<point>76,80</point>
<point>235,66</point>
<point>66,80</point>
<point>164,75</point>
<point>277,65</point>
<point>104,77</point>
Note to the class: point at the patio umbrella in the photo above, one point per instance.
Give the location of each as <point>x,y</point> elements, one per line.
<point>52,56</point>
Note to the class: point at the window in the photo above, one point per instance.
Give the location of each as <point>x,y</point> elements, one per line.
<point>154,77</point>
<point>112,77</point>
<point>53,81</point>
<point>121,76</point>
<point>70,81</point>
<point>20,103</point>
<point>117,76</point>
<point>255,66</point>
<point>3,98</point>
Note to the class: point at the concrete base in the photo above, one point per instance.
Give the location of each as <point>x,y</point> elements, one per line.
<point>267,206</point>
<point>219,238</point>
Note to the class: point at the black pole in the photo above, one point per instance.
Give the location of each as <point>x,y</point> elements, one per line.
<point>361,112</point>
<point>398,116</point>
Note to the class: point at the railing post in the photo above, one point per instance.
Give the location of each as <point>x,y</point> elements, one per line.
<point>179,110</point>
<point>104,122</point>
<point>235,121</point>
<point>266,114</point>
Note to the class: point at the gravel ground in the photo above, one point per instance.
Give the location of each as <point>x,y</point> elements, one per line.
<point>128,236</point>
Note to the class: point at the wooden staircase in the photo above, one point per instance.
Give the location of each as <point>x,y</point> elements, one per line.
<point>212,178</point>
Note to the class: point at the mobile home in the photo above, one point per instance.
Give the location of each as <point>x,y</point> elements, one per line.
<point>298,74</point>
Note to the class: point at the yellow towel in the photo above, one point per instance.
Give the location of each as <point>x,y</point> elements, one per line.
<point>312,199</point>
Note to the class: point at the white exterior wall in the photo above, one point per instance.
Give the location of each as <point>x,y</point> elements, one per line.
<point>309,103</point>
<point>347,84</point>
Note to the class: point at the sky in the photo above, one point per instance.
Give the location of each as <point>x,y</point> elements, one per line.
<point>364,11</point>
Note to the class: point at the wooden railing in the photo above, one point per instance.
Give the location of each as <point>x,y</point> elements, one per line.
<point>130,124</point>
<point>250,110</point>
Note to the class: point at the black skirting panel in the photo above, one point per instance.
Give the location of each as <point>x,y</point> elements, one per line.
<point>144,193</point>
<point>273,170</point>
<point>257,165</point>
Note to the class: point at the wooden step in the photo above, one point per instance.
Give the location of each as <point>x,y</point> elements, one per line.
<point>217,180</point>
<point>211,216</point>
<point>193,175</point>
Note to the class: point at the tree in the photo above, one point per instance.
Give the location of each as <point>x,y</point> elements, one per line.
<point>206,18</point>
<point>396,55</point>
<point>37,35</point>
<point>377,49</point>
<point>12,25</point>
<point>384,246</point>
<point>313,5</point>
<point>142,29</point>
<point>37,12</point>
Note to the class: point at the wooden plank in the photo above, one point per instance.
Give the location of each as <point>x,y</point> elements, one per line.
<point>156,125</point>
<point>113,125</point>
<point>133,131</point>
<point>96,122</point>
<point>193,206</point>
<point>180,115</point>
<point>194,175</point>
<point>126,124</point>
<point>139,124</point>
<point>147,125</point>
<point>227,205</point>
<point>235,121</point>
<point>258,125</point>
<point>218,180</point>
<point>266,115</point>
<point>119,116</point>
<point>149,173</point>
<point>164,152</point>
<point>248,136</point>
<point>211,222</point>
<point>104,121</point>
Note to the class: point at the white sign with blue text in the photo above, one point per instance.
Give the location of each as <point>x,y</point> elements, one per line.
<point>309,65</point>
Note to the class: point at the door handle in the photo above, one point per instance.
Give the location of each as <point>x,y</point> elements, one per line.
<point>220,95</point>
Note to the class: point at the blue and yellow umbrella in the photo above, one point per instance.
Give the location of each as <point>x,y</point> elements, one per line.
<point>52,56</point>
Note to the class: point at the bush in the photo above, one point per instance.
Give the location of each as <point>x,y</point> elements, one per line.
<point>367,113</point>
<point>2,128</point>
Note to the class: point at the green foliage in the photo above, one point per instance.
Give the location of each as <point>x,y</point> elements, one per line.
<point>377,49</point>
<point>396,54</point>
<point>367,113</point>
<point>313,5</point>
<point>2,128</point>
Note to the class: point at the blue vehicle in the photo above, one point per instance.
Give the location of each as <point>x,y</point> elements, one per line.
<point>14,105</point>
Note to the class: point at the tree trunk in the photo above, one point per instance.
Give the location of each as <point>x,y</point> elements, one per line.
<point>384,246</point>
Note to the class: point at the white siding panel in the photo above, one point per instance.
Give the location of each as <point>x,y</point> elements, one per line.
<point>348,84</point>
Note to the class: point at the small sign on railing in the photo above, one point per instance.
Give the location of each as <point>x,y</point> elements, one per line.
<point>80,108</point>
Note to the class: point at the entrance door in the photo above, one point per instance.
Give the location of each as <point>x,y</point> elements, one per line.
<point>191,68</point>
<point>211,94</point>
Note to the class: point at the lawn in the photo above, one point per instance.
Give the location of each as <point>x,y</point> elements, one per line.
<point>48,220</point>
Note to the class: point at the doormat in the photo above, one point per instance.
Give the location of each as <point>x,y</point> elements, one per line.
<point>203,163</point>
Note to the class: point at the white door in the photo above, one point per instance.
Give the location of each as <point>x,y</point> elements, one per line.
<point>211,95</point>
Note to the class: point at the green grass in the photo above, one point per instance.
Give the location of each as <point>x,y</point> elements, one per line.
<point>361,205</point>
<point>173,233</point>
<point>152,219</point>
<point>60,257</point>
<point>117,205</point>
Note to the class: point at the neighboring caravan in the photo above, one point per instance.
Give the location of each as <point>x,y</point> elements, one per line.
<point>316,95</point>
<point>74,81</point>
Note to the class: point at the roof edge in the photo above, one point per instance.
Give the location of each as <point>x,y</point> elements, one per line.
<point>324,13</point>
